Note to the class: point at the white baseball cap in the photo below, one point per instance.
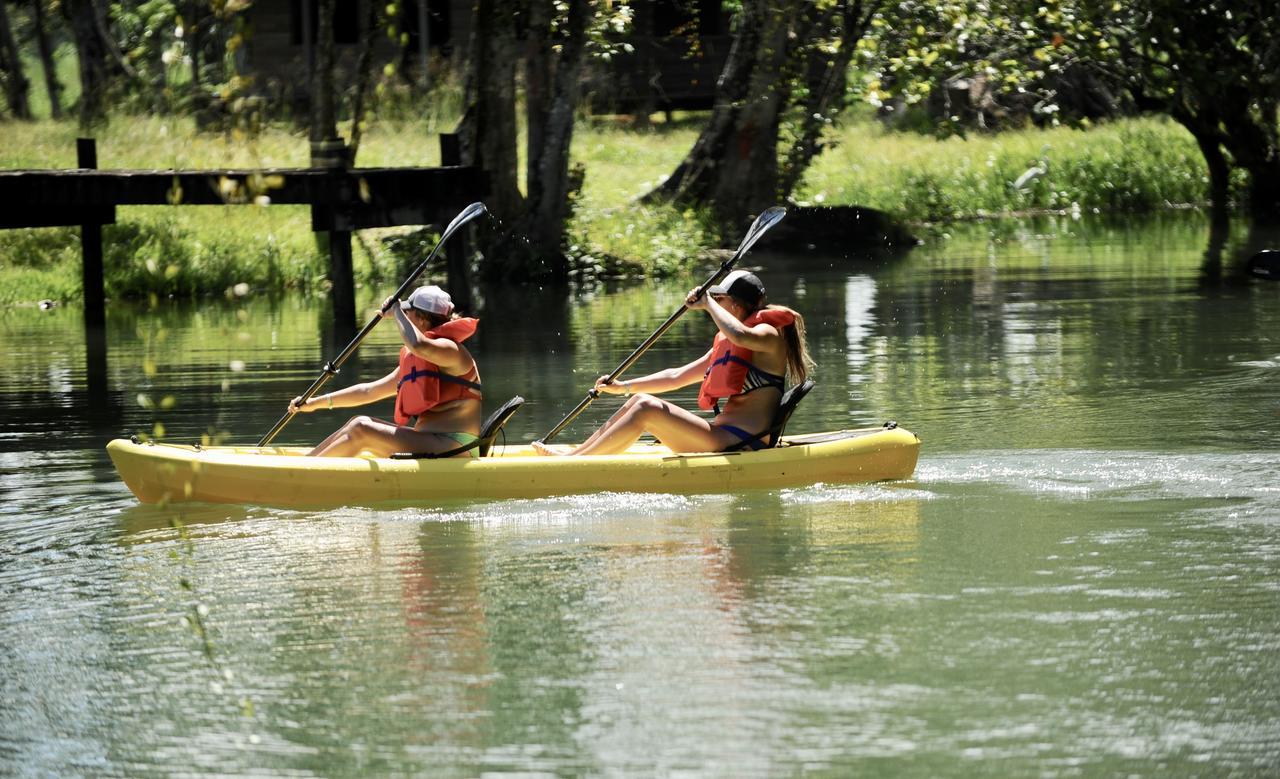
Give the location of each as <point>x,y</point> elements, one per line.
<point>430,300</point>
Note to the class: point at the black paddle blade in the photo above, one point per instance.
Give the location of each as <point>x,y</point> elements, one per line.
<point>1266,264</point>
<point>766,220</point>
<point>466,215</point>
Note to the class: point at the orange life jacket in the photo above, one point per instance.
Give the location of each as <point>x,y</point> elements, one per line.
<point>730,364</point>
<point>423,386</point>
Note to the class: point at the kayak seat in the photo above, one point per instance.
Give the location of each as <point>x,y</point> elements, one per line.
<point>488,432</point>
<point>493,425</point>
<point>786,407</point>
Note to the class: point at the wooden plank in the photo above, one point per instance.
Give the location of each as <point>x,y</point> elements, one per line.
<point>54,216</point>
<point>378,188</point>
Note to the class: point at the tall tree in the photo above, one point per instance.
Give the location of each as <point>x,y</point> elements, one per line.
<point>785,79</point>
<point>94,53</point>
<point>45,47</point>
<point>488,127</point>
<point>324,114</point>
<point>12,76</point>
<point>556,35</point>
<point>824,81</point>
<point>551,112</point>
<point>1213,66</point>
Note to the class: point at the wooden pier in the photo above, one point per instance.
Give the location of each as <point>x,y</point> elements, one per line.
<point>342,200</point>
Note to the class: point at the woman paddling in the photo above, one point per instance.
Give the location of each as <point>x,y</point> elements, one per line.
<point>436,384</point>
<point>756,349</point>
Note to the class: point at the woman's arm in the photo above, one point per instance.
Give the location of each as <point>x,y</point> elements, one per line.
<point>758,338</point>
<point>440,351</point>
<point>662,381</point>
<point>355,395</point>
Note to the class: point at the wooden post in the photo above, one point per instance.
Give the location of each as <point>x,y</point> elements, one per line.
<point>342,276</point>
<point>331,154</point>
<point>95,308</point>
<point>92,288</point>
<point>458,256</point>
<point>91,246</point>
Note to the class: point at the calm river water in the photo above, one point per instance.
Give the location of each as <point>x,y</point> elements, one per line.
<point>1083,579</point>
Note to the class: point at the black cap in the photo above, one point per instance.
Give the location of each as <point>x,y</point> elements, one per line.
<point>741,285</point>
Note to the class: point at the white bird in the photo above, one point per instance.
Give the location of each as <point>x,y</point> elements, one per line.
<point>1029,175</point>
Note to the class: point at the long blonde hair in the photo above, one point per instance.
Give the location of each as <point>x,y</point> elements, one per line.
<point>799,363</point>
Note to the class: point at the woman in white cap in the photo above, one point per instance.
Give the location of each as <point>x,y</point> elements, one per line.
<point>436,386</point>
<point>758,347</point>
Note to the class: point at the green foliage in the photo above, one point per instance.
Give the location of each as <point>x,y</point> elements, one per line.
<point>1014,49</point>
<point>181,252</point>
<point>158,255</point>
<point>150,36</point>
<point>611,233</point>
<point>607,29</point>
<point>1132,165</point>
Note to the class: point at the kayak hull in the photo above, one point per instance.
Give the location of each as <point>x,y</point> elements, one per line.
<point>282,476</point>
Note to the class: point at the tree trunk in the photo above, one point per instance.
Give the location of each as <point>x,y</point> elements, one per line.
<point>324,120</point>
<point>46,59</point>
<point>487,132</point>
<point>14,80</point>
<point>195,39</point>
<point>691,181</point>
<point>733,165</point>
<point>1209,139</point>
<point>1250,134</point>
<point>538,75</point>
<point>826,80</point>
<point>364,76</point>
<point>746,177</point>
<point>91,52</point>
<point>548,187</point>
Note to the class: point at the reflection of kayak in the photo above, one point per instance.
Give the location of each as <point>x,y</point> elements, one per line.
<point>281,476</point>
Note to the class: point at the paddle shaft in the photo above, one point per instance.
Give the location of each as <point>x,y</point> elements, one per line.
<point>332,367</point>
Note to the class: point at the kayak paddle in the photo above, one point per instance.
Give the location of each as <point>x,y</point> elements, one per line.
<point>766,220</point>
<point>332,367</point>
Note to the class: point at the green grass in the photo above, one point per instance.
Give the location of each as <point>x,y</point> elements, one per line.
<point>1139,164</point>
<point>1129,165</point>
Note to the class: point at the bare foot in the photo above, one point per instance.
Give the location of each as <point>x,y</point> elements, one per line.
<point>544,449</point>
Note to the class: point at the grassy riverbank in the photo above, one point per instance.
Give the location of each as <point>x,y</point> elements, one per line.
<point>1142,164</point>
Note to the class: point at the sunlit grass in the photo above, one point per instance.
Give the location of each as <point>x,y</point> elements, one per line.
<point>1128,165</point>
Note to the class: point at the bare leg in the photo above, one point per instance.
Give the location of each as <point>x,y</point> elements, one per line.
<point>379,438</point>
<point>544,449</point>
<point>680,430</point>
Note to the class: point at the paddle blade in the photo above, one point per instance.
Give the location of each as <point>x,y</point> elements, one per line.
<point>766,220</point>
<point>466,215</point>
<point>1266,264</point>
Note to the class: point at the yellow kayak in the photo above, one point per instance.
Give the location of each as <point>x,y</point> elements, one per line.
<point>282,476</point>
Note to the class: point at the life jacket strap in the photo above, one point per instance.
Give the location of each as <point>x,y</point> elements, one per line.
<point>416,373</point>
<point>728,358</point>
